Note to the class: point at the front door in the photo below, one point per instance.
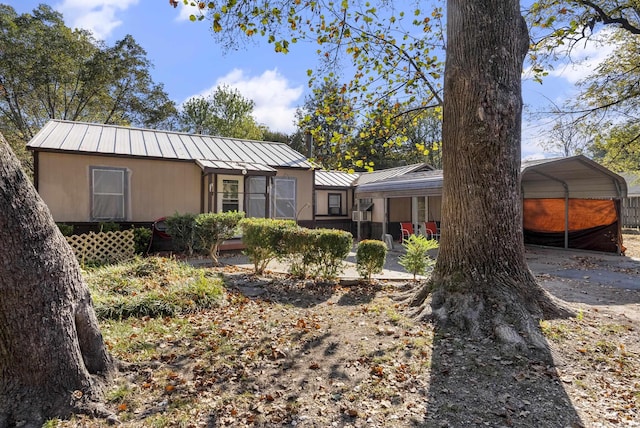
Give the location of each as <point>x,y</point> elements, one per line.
<point>230,193</point>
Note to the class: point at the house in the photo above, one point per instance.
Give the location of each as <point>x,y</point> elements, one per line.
<point>91,173</point>
<point>334,199</point>
<point>568,202</point>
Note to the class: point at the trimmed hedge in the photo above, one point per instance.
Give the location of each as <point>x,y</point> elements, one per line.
<point>181,228</point>
<point>264,240</point>
<point>329,248</point>
<point>212,229</point>
<point>310,252</point>
<point>370,257</point>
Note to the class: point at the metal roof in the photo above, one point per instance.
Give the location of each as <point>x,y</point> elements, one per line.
<point>334,178</point>
<point>574,176</point>
<point>245,168</point>
<point>422,183</point>
<point>543,178</point>
<point>369,177</point>
<point>90,138</point>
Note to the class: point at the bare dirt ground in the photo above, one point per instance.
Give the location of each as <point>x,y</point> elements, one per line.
<point>291,353</point>
<point>593,281</point>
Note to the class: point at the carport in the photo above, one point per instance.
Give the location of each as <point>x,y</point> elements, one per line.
<point>570,202</point>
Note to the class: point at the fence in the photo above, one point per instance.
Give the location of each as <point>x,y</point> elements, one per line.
<point>103,247</point>
<point>631,212</point>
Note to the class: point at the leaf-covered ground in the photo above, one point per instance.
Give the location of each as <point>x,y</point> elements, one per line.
<point>279,352</point>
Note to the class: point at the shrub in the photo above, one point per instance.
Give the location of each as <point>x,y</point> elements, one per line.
<point>109,227</point>
<point>416,260</point>
<point>328,250</point>
<point>181,227</point>
<point>214,228</point>
<point>65,229</point>
<point>298,247</point>
<point>265,240</point>
<point>370,257</point>
<point>142,239</point>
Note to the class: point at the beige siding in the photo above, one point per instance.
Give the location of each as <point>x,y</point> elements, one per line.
<point>156,188</point>
<point>322,202</point>
<point>377,214</point>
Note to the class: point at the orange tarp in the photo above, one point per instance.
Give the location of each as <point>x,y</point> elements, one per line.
<point>547,215</point>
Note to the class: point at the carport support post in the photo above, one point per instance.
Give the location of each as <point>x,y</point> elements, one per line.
<point>566,215</point>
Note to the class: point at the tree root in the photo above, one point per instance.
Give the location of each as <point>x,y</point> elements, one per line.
<point>508,313</point>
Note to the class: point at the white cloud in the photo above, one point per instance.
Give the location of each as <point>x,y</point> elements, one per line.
<point>98,16</point>
<point>534,134</point>
<point>274,98</point>
<point>186,10</point>
<point>585,58</point>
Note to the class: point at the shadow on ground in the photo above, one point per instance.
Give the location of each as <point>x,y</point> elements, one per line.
<point>474,384</point>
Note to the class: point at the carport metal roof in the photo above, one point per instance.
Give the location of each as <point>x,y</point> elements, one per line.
<point>572,177</point>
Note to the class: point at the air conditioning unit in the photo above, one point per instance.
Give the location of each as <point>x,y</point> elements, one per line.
<point>361,216</point>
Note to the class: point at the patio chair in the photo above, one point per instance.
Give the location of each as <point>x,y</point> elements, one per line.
<point>406,230</point>
<point>431,230</point>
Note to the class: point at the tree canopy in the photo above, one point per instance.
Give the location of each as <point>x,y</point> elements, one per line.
<point>225,113</point>
<point>607,106</point>
<point>385,52</point>
<point>49,71</point>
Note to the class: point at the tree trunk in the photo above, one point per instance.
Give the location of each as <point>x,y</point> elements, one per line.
<point>52,357</point>
<point>481,283</point>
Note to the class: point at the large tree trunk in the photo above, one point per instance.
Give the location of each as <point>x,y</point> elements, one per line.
<point>52,357</point>
<point>481,282</point>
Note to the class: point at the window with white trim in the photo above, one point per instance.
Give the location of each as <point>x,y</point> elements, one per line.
<point>284,197</point>
<point>230,195</point>
<point>109,190</point>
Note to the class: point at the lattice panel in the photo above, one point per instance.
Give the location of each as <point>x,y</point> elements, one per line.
<point>103,247</point>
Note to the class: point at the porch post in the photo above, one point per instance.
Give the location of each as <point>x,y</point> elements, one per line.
<point>358,219</point>
<point>385,217</point>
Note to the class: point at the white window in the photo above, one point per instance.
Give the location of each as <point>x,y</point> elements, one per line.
<point>284,197</point>
<point>335,203</point>
<point>257,197</point>
<point>229,190</point>
<point>230,195</point>
<point>108,193</point>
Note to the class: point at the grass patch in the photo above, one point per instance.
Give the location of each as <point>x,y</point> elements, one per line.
<point>153,287</point>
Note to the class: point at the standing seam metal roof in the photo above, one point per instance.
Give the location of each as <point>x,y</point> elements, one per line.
<point>89,138</point>
<point>334,178</point>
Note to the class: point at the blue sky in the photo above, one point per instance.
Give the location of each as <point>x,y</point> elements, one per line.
<point>188,62</point>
